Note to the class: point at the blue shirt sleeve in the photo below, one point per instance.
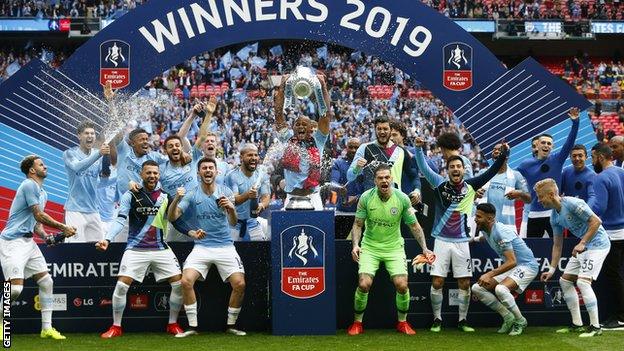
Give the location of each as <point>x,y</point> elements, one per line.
<point>434,179</point>
<point>353,172</point>
<point>521,183</point>
<point>265,188</point>
<point>230,182</point>
<point>557,229</point>
<point>320,139</point>
<point>580,209</point>
<point>600,191</point>
<point>185,202</point>
<point>122,217</point>
<point>31,194</point>
<point>75,165</point>
<point>562,155</point>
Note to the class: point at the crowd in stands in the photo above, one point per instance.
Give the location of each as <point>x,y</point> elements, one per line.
<point>478,9</point>
<point>569,10</point>
<point>361,87</point>
<point>67,8</point>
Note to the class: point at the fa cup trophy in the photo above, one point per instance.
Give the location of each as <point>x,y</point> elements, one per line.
<point>301,84</point>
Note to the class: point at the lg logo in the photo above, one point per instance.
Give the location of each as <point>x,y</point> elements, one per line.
<point>83,302</point>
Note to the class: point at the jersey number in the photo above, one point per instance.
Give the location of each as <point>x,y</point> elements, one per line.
<point>587,265</point>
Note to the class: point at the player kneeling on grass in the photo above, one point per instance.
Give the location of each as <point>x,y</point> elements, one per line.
<point>146,212</point>
<point>587,256</point>
<point>212,208</point>
<point>515,274</point>
<point>20,257</point>
<point>382,208</point>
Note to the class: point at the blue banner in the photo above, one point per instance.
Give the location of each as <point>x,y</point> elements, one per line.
<point>412,36</point>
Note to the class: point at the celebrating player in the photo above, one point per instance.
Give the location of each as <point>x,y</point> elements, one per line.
<point>547,164</point>
<point>454,202</point>
<point>302,156</point>
<point>382,208</point>
<point>515,274</point>
<point>507,186</point>
<point>83,166</point>
<point>587,256</point>
<point>213,209</point>
<point>145,211</point>
<point>251,193</point>
<point>20,257</point>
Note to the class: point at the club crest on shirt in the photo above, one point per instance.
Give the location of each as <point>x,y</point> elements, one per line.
<point>394,211</point>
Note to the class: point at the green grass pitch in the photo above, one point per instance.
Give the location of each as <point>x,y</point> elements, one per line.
<point>537,338</point>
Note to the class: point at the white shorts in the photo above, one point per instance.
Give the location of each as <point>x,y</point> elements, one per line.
<point>21,258</point>
<point>162,263</point>
<point>522,275</point>
<point>255,229</point>
<point>89,227</point>
<point>225,258</point>
<point>447,253</point>
<point>587,264</point>
<point>315,198</point>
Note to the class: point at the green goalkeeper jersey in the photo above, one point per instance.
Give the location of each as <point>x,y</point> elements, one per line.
<point>383,219</point>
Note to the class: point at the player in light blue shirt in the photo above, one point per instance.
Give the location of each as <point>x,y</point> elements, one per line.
<point>83,166</point>
<point>179,170</point>
<point>587,256</point>
<point>209,142</point>
<point>517,271</point>
<point>249,184</point>
<point>130,157</point>
<point>304,149</point>
<point>212,211</point>
<point>20,257</point>
<point>501,191</point>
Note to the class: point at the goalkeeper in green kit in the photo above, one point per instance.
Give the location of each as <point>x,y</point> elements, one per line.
<point>382,208</point>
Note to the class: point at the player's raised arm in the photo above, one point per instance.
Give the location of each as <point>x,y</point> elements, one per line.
<point>174,212</point>
<point>323,122</point>
<point>433,178</point>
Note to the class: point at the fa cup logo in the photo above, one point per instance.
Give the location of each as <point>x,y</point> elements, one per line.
<point>457,57</point>
<point>301,245</point>
<point>114,54</point>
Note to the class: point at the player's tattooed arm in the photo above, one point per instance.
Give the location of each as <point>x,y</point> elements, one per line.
<point>44,218</point>
<point>40,231</point>
<point>356,235</point>
<point>419,235</point>
<point>278,102</point>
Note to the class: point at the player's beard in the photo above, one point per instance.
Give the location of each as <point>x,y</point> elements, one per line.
<point>597,167</point>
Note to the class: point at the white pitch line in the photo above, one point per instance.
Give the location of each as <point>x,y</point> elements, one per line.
<point>538,126</point>
<point>513,115</point>
<point>484,89</point>
<point>512,107</point>
<point>500,97</point>
<point>81,87</point>
<point>62,103</point>
<point>31,129</point>
<point>532,113</point>
<point>46,111</point>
